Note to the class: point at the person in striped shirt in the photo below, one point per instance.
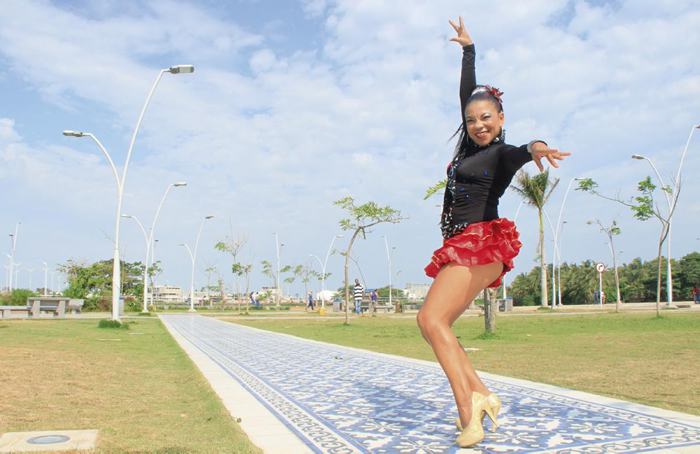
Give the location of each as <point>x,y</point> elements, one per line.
<point>358,292</point>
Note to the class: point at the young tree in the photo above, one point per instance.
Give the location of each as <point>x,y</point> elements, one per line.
<point>269,271</point>
<point>360,219</point>
<point>643,208</point>
<point>536,190</point>
<point>610,232</point>
<point>239,269</point>
<point>233,247</point>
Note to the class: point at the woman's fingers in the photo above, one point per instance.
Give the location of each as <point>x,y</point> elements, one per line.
<point>538,162</point>
<point>454,26</point>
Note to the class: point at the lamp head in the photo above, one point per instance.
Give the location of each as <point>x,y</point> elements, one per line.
<point>209,217</point>
<point>181,69</point>
<point>180,184</point>
<point>127,216</point>
<point>70,133</point>
<point>637,156</point>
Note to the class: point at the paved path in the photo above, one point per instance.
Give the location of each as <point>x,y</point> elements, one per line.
<point>295,395</point>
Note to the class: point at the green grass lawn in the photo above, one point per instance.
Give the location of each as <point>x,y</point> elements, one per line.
<point>630,356</point>
<point>136,386</point>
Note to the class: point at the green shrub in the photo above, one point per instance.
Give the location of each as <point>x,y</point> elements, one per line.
<point>18,297</point>
<point>112,324</point>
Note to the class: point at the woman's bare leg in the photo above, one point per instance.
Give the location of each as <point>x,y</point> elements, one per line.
<point>453,289</point>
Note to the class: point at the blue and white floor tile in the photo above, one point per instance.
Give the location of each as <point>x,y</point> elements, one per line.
<point>341,400</point>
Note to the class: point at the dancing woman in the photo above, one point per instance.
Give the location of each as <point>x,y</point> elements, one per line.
<point>478,247</point>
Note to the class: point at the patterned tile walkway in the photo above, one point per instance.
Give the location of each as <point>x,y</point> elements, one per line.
<point>342,400</point>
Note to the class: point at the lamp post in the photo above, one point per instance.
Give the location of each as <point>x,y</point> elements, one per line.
<point>145,266</point>
<point>193,258</point>
<point>554,259</point>
<point>46,278</point>
<point>152,261</point>
<point>388,257</point>
<point>557,259</point>
<point>13,248</point>
<point>669,197</point>
<point>320,263</point>
<point>148,237</point>
<point>561,226</point>
<point>17,266</point>
<point>31,277</point>
<point>672,200</point>
<point>116,268</point>
<point>279,290</point>
<point>323,270</point>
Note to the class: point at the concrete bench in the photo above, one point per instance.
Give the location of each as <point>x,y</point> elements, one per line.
<point>8,310</point>
<point>57,305</point>
<point>377,307</point>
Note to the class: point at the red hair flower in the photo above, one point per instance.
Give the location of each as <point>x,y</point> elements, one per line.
<point>495,92</point>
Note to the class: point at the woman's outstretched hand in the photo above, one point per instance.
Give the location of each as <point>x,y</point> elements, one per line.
<point>541,150</point>
<point>462,37</point>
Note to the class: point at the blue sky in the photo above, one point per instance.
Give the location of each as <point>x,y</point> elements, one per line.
<point>296,104</point>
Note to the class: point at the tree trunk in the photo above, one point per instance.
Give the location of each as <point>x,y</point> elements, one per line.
<point>658,280</point>
<point>223,293</point>
<point>543,268</point>
<point>617,276</point>
<point>489,316</point>
<point>347,287</point>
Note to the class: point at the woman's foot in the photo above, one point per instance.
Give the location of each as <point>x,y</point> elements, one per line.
<point>473,433</point>
<point>495,403</point>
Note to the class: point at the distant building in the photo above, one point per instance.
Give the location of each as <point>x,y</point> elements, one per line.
<point>416,291</point>
<point>167,294</point>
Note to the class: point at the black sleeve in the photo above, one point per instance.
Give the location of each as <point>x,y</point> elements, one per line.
<point>467,82</point>
<point>513,158</point>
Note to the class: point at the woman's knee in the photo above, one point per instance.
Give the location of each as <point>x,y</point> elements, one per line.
<point>430,325</point>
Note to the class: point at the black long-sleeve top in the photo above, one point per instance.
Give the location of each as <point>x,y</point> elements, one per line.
<point>477,177</point>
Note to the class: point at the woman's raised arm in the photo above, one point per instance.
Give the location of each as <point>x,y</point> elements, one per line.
<point>467,81</point>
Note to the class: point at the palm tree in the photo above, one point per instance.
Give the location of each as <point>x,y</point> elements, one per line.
<point>535,190</point>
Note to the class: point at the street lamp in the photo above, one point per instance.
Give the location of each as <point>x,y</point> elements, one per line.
<point>323,271</point>
<point>388,257</point>
<point>279,290</point>
<point>193,258</point>
<point>145,266</point>
<point>554,258</point>
<point>556,261</point>
<point>116,268</point>
<point>11,256</point>
<point>672,200</point>
<point>148,237</point>
<point>46,278</point>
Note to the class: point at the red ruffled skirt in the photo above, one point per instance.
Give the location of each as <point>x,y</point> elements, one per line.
<point>480,243</point>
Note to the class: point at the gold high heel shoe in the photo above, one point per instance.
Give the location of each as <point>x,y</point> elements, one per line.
<point>495,403</point>
<point>474,432</point>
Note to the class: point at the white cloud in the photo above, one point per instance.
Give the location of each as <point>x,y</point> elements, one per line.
<point>8,134</point>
